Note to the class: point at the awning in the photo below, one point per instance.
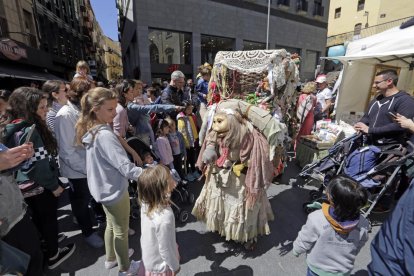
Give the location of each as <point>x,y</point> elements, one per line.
<point>19,72</point>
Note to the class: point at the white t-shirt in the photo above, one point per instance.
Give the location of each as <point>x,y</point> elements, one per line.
<point>321,96</point>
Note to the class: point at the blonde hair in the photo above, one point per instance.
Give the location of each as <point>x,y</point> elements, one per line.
<point>82,64</point>
<point>153,188</point>
<point>309,87</point>
<point>95,98</point>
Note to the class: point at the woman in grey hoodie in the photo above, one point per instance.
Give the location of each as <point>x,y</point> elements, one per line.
<point>107,170</point>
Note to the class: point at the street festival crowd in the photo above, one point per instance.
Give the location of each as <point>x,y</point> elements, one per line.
<point>78,131</point>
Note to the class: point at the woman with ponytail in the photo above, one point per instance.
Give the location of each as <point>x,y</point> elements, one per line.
<point>108,170</point>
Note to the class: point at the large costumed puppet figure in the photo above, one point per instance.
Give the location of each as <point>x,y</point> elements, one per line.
<point>235,159</point>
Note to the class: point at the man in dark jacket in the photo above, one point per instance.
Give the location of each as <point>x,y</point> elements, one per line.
<point>379,121</point>
<point>392,250</point>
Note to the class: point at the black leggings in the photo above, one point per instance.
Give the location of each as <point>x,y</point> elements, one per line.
<point>191,159</point>
<point>24,236</point>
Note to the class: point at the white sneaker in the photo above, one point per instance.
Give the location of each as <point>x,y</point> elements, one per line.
<point>131,232</point>
<point>133,269</point>
<point>112,264</point>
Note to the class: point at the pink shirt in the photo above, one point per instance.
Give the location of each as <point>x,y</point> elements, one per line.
<point>120,122</point>
<point>164,150</point>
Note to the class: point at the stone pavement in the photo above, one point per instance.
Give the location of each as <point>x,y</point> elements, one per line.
<point>207,254</point>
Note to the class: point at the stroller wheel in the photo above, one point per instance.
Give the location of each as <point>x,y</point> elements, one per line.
<point>183,216</point>
<point>306,208</point>
<point>191,198</point>
<point>313,195</point>
<point>135,214</point>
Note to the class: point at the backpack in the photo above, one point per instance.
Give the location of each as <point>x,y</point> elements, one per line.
<point>359,162</point>
<point>305,106</point>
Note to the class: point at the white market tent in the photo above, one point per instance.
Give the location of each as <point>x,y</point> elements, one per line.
<point>394,47</point>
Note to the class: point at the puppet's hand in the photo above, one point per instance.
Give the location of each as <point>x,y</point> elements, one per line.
<point>209,155</point>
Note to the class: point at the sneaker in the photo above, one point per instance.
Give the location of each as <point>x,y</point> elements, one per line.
<point>61,237</point>
<point>190,177</point>
<point>61,256</point>
<point>112,264</point>
<point>94,240</point>
<point>196,175</point>
<point>131,232</point>
<point>133,269</point>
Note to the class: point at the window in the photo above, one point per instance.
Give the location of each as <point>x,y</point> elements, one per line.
<point>210,45</point>
<point>4,28</point>
<point>337,12</point>
<point>361,5</point>
<point>302,5</point>
<point>250,45</point>
<point>318,9</point>
<point>167,47</point>
<point>357,29</point>
<point>382,15</point>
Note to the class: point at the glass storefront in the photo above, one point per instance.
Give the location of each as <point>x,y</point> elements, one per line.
<point>291,50</point>
<point>167,47</point>
<point>210,45</point>
<point>251,45</point>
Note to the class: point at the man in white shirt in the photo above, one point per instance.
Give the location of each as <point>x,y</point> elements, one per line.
<point>324,98</point>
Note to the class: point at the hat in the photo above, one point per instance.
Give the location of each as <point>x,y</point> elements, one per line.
<point>321,79</point>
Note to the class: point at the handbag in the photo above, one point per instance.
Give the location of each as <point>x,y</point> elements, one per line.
<point>30,188</point>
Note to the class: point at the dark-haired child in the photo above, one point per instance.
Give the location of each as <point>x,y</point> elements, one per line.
<point>163,147</point>
<point>334,235</point>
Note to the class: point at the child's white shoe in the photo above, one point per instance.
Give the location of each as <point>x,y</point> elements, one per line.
<point>133,269</point>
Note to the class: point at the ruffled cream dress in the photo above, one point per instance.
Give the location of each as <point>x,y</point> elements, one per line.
<point>222,205</point>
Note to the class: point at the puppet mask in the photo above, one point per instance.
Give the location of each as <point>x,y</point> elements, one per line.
<point>220,124</point>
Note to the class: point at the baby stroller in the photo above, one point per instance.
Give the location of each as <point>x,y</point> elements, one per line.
<point>179,196</point>
<point>377,169</point>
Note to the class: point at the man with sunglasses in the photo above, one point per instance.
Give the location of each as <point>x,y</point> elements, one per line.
<point>379,121</point>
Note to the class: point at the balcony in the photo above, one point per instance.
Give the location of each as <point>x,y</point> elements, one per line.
<point>350,36</point>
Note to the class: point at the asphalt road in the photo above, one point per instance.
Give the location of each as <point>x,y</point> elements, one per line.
<point>207,254</point>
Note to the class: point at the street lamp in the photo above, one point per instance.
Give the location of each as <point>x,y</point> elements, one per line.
<point>268,19</point>
<point>366,14</point>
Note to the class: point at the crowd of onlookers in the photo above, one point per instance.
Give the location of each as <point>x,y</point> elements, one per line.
<point>74,136</point>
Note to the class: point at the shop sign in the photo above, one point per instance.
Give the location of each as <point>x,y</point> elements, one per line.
<point>11,50</point>
<point>172,68</point>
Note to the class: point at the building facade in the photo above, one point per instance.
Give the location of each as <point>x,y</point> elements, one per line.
<point>158,37</point>
<point>354,19</point>
<point>44,39</point>
<point>113,59</point>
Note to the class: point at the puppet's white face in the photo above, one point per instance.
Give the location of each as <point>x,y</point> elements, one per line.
<point>220,124</point>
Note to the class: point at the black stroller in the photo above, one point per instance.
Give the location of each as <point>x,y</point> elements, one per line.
<point>179,197</point>
<point>380,178</point>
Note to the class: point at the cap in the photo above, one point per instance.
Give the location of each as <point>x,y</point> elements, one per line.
<point>321,79</point>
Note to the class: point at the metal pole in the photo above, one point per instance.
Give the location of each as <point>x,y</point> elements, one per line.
<point>268,19</point>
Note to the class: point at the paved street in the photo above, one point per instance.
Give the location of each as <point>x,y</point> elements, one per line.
<point>205,254</point>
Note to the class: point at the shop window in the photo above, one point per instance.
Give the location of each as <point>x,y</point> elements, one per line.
<point>283,2</point>
<point>167,47</point>
<point>337,12</point>
<point>210,45</point>
<point>154,54</point>
<point>361,5</point>
<point>291,50</point>
<point>251,45</point>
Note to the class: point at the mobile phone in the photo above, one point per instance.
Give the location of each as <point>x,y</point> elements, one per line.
<point>30,133</point>
<point>392,114</point>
